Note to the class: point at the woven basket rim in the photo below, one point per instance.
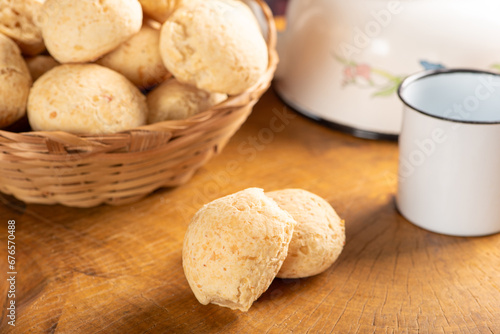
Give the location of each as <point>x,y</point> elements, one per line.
<point>230,103</point>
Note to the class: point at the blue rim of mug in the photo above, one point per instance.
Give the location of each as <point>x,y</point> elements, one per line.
<point>424,74</point>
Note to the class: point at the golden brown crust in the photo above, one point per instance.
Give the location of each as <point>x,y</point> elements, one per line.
<point>85,99</point>
<point>83,31</point>
<point>40,64</point>
<point>233,248</point>
<point>173,100</point>
<point>160,10</point>
<point>138,59</point>
<point>15,82</point>
<point>318,238</point>
<point>215,45</point>
<point>19,20</point>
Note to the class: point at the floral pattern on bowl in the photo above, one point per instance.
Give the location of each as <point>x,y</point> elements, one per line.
<point>382,82</point>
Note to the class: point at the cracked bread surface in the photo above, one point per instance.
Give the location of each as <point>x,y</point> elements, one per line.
<point>215,45</point>
<point>83,31</point>
<point>234,247</point>
<point>19,19</point>
<point>318,237</point>
<point>15,82</point>
<point>85,99</point>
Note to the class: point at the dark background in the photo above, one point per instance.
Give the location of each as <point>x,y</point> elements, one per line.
<point>278,6</point>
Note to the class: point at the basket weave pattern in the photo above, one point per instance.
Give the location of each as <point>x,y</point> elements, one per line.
<point>87,170</point>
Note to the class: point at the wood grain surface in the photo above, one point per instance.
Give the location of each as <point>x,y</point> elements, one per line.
<point>118,269</point>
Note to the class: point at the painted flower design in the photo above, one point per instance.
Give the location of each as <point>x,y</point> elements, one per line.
<point>357,71</point>
<point>382,82</point>
<point>495,67</point>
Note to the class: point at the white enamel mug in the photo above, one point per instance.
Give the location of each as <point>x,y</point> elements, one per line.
<point>449,152</point>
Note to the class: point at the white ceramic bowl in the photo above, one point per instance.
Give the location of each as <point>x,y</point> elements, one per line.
<point>342,61</point>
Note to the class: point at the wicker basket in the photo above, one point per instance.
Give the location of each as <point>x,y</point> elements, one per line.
<point>87,170</point>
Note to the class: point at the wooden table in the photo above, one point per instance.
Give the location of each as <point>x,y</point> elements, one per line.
<point>118,269</point>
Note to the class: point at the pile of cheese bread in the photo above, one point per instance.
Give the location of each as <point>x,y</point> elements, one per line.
<point>103,66</point>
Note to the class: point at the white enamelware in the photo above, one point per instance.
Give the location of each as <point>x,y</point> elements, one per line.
<point>449,152</point>
<point>341,61</point>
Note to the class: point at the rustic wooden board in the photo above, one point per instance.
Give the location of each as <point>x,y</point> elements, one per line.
<point>118,269</point>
